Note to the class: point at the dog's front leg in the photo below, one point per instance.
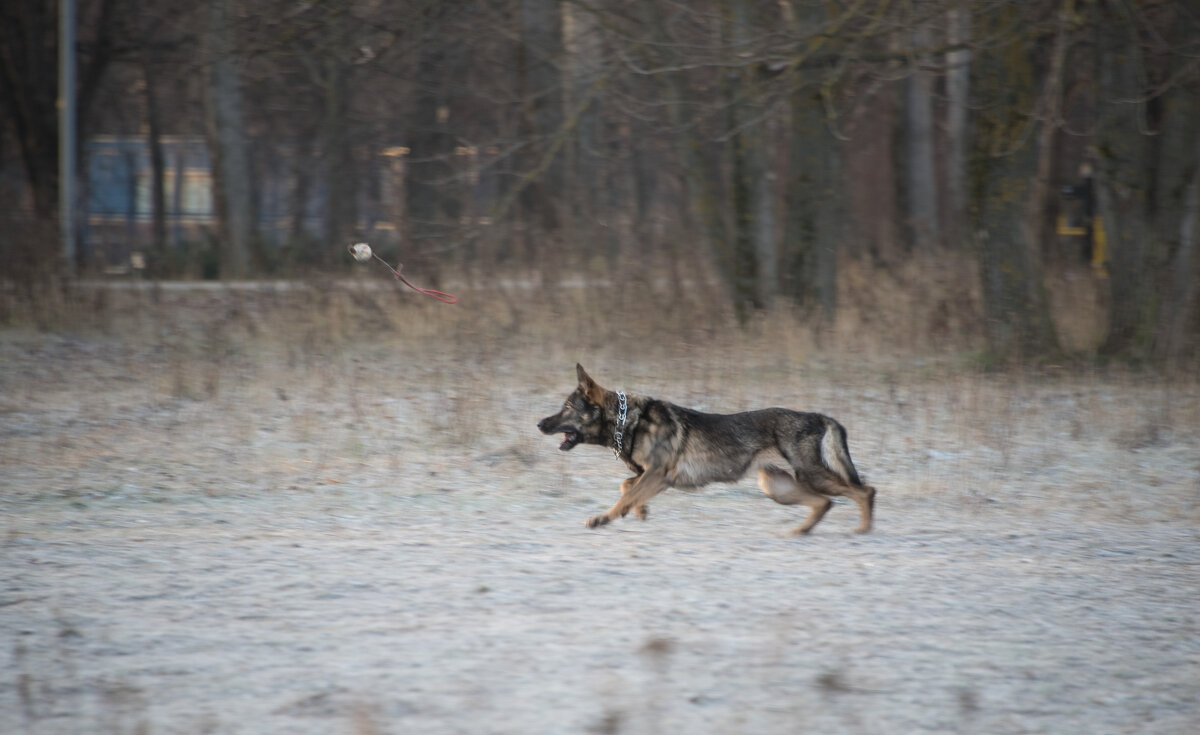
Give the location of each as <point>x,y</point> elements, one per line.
<point>635,493</point>
<point>639,510</point>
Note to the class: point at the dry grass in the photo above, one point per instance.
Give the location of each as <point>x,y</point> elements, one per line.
<point>361,393</point>
<point>300,375</point>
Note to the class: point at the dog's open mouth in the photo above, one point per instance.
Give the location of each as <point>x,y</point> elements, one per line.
<point>570,439</point>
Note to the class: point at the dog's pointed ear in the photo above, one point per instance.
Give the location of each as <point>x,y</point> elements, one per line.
<point>590,388</point>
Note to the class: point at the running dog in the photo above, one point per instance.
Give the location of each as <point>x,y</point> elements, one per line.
<point>801,458</point>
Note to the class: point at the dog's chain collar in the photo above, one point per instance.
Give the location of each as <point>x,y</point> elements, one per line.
<point>619,427</point>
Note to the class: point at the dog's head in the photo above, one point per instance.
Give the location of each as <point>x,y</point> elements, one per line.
<point>581,420</point>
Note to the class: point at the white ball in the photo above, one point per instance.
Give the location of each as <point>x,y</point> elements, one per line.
<point>361,252</point>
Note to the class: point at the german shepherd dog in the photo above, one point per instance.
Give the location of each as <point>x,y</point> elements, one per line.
<point>801,458</point>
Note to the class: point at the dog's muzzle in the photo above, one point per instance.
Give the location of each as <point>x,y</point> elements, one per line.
<point>549,425</point>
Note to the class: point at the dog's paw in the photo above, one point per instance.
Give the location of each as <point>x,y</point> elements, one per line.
<point>596,521</point>
<point>642,511</point>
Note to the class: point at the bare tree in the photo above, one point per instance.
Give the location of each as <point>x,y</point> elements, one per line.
<point>814,190</point>
<point>1004,166</point>
<point>757,134</point>
<point>157,41</point>
<point>227,141</point>
<point>755,261</point>
<point>958,81</point>
<point>920,178</point>
<point>541,56</point>
<point>1147,155</point>
<point>28,98</point>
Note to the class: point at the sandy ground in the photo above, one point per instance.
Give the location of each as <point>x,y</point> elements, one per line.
<point>379,541</point>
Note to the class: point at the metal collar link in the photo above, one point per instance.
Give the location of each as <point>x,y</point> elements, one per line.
<point>619,427</point>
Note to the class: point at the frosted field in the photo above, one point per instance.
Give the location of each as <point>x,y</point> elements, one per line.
<point>272,523</point>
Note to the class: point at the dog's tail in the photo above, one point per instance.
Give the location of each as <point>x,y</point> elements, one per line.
<point>835,455</point>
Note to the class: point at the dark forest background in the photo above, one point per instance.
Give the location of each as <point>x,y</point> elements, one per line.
<point>1005,169</point>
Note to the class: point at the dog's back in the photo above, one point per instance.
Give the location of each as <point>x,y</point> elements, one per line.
<point>725,447</point>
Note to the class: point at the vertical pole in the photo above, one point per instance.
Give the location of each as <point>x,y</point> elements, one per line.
<point>66,130</point>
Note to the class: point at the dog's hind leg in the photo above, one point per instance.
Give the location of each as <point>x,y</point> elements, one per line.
<point>635,492</point>
<point>827,483</point>
<point>781,487</point>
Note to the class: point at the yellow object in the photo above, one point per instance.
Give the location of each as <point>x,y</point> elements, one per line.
<point>1066,228</point>
<point>1099,240</point>
<point>1099,248</point>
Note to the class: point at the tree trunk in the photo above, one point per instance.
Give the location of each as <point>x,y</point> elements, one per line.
<point>812,231</point>
<point>1122,183</point>
<point>1179,304</point>
<point>1005,162</point>
<point>755,261</point>
<point>705,201</point>
<point>29,89</point>
<point>179,179</point>
<point>921,195</point>
<point>542,56</point>
<point>227,141</point>
<point>28,101</point>
<point>1176,209</point>
<point>341,182</point>
<point>958,81</point>
<point>598,199</point>
<point>301,164</point>
<point>1037,204</point>
<point>427,186</point>
<point>158,170</point>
